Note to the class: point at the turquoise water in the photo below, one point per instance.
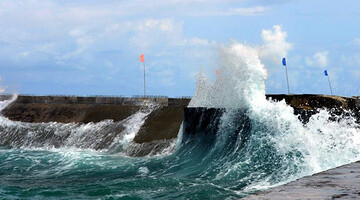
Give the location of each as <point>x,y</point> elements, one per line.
<point>71,174</point>
<point>239,144</point>
<point>203,166</point>
<point>91,175</point>
<point>220,154</point>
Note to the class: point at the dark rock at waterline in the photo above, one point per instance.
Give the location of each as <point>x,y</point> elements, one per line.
<point>161,124</point>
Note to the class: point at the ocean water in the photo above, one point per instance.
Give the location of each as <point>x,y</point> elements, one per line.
<point>232,143</point>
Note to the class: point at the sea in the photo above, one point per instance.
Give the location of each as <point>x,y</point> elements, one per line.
<point>233,142</point>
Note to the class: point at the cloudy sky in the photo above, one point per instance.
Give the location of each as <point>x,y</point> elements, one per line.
<point>88,47</point>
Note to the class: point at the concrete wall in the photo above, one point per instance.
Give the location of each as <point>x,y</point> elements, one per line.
<point>314,101</point>
<point>338,183</point>
<point>161,124</point>
<point>162,101</point>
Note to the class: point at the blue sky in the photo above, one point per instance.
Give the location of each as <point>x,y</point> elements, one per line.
<point>88,47</point>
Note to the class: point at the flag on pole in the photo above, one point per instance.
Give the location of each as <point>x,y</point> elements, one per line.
<point>142,59</point>
<point>326,74</point>
<point>287,78</point>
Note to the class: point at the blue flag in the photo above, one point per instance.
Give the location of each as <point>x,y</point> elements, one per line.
<point>284,61</point>
<point>325,72</point>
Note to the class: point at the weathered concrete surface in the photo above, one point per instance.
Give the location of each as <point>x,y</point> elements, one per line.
<point>93,109</point>
<point>86,109</point>
<point>338,183</point>
<point>66,113</point>
<point>314,101</point>
<point>161,124</point>
<point>162,101</point>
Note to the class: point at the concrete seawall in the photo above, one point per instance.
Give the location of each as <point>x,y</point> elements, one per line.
<point>163,123</point>
<point>162,126</point>
<point>338,183</point>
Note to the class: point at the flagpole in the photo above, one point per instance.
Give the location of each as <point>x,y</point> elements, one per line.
<point>330,84</point>
<point>144,81</point>
<point>287,79</point>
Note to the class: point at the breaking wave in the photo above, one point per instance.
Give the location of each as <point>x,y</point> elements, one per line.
<point>104,136</point>
<point>232,142</point>
<point>266,141</point>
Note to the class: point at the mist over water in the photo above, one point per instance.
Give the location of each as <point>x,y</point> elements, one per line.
<point>236,144</point>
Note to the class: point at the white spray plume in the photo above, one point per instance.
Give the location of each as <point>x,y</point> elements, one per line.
<point>319,145</point>
<point>240,82</point>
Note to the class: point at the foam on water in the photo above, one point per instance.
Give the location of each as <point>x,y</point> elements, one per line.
<point>306,149</point>
<point>246,144</point>
<point>107,135</point>
<point>5,103</point>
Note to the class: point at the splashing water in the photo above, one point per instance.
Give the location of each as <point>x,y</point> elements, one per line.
<point>240,84</point>
<point>304,149</point>
<point>106,135</point>
<point>5,103</point>
<point>237,143</point>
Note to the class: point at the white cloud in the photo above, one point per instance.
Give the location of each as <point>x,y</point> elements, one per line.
<point>275,45</point>
<point>83,44</point>
<point>357,41</point>
<point>151,33</point>
<point>37,22</point>
<point>198,41</point>
<point>356,73</point>
<point>76,33</point>
<point>320,59</point>
<point>164,25</point>
<point>352,60</point>
<point>240,11</point>
<point>250,11</point>
<point>80,34</point>
<point>24,53</point>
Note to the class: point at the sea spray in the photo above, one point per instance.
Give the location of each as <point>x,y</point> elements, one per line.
<point>232,142</point>
<point>5,103</point>
<point>241,80</point>
<point>295,149</point>
<point>106,135</point>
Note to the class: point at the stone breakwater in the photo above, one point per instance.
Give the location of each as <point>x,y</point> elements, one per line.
<point>162,124</point>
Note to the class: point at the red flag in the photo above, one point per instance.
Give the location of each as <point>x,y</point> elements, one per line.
<point>142,59</point>
<point>217,72</point>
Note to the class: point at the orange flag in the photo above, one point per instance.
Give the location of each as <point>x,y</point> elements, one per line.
<point>142,59</point>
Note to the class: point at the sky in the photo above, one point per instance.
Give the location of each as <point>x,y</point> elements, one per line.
<point>88,47</point>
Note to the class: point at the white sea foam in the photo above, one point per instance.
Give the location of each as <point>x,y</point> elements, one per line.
<point>5,103</point>
<point>240,83</point>
<point>105,135</point>
<point>132,126</point>
<point>319,145</point>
